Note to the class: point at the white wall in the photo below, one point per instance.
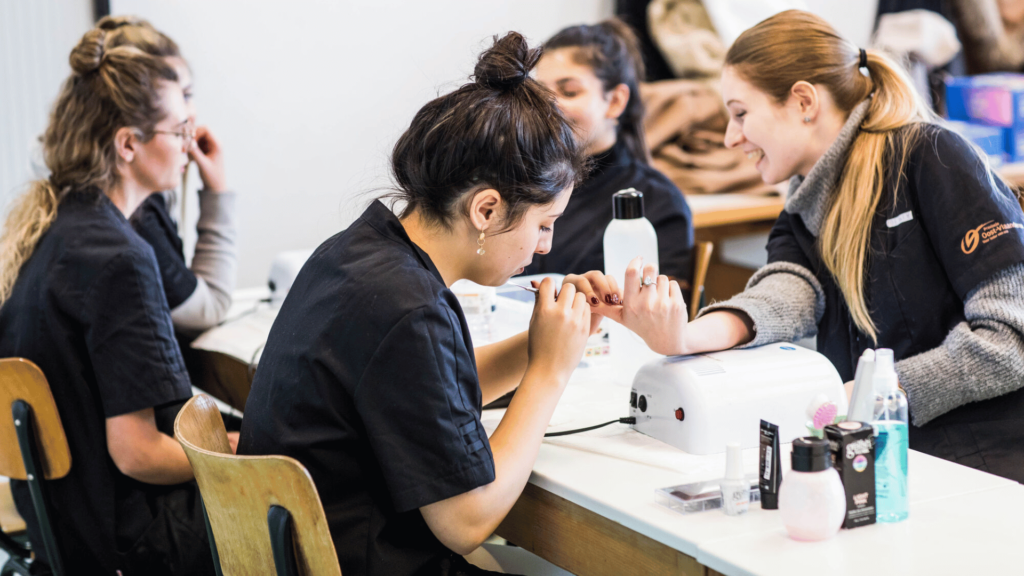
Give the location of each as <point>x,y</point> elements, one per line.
<point>35,40</point>
<point>854,19</point>
<point>309,96</point>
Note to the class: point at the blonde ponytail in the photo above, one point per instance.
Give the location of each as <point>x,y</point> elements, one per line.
<point>30,216</point>
<point>891,126</point>
<point>109,88</point>
<point>795,45</point>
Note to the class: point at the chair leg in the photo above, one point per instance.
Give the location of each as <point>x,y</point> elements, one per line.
<point>13,547</point>
<point>15,567</point>
<point>25,430</point>
<point>279,521</point>
<point>209,535</point>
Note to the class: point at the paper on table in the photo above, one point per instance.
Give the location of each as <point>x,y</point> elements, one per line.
<point>242,338</point>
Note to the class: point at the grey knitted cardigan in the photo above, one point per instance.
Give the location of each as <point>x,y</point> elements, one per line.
<point>981,358</point>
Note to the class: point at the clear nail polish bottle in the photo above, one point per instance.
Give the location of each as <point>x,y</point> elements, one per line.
<point>735,486</point>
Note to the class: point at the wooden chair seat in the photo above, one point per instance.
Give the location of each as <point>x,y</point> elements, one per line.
<point>701,262</point>
<point>33,448</point>
<point>251,500</point>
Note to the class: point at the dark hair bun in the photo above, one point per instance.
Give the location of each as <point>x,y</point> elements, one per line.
<point>87,56</point>
<point>507,64</point>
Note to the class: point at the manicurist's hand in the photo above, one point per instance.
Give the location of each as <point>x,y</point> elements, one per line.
<point>602,293</point>
<point>209,157</point>
<point>558,329</point>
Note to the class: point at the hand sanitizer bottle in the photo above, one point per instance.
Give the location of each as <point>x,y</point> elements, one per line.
<point>891,441</point>
<point>628,235</point>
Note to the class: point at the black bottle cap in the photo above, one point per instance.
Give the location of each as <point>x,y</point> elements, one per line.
<point>628,204</point>
<point>811,454</point>
<point>769,501</point>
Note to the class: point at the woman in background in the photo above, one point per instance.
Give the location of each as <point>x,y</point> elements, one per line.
<point>81,297</point>
<point>595,72</point>
<point>199,295</point>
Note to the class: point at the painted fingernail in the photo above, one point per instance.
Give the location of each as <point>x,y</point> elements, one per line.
<point>594,301</point>
<point>615,298</point>
<point>609,299</point>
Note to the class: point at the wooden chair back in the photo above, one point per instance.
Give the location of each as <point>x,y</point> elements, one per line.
<point>20,379</point>
<point>701,261</point>
<point>239,491</point>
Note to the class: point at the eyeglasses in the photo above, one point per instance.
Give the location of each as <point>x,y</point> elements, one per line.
<point>187,135</point>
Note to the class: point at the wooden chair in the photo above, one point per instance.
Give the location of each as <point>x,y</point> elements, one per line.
<point>701,261</point>
<point>262,511</point>
<point>33,448</point>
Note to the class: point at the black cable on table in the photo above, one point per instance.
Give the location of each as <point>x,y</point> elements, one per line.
<point>626,420</point>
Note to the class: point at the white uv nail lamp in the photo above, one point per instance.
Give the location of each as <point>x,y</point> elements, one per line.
<point>700,403</point>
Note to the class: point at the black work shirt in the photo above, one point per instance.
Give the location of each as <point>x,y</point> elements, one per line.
<point>369,380</point>
<point>948,228</point>
<point>154,224</point>
<point>578,243</point>
<point>89,309</point>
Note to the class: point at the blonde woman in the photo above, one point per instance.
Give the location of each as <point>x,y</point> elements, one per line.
<point>199,295</point>
<point>895,234</point>
<point>81,297</point>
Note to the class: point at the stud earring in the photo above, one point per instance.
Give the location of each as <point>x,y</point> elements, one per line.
<point>480,244</point>
<point>807,119</point>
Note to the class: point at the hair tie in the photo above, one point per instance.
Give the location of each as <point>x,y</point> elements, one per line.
<point>863,64</point>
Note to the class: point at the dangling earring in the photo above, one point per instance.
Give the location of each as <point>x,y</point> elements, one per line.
<point>480,243</point>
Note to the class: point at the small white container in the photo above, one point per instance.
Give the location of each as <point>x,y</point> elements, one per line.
<point>478,305</point>
<point>811,498</point>
<point>735,486</point>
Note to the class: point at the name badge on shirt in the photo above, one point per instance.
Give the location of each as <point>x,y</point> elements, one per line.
<point>897,220</point>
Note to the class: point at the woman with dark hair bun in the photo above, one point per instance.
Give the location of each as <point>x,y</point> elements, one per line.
<point>595,72</point>
<point>369,377</point>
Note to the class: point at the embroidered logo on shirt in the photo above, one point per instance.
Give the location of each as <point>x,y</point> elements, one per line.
<point>896,221</point>
<point>986,233</point>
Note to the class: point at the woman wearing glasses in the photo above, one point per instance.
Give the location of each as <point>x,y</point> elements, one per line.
<point>81,297</point>
<point>199,295</point>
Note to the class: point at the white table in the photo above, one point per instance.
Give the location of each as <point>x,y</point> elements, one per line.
<point>590,506</point>
<point>969,533</point>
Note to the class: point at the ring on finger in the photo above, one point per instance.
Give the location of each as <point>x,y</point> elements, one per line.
<point>648,281</point>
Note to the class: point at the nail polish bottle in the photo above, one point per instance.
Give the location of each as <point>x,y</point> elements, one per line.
<point>811,500</point>
<point>735,487</point>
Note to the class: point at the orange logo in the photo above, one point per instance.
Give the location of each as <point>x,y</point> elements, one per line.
<point>970,241</point>
<point>986,233</point>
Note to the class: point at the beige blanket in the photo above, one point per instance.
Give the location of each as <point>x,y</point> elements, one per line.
<point>685,126</point>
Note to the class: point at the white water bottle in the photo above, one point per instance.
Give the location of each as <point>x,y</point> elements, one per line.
<point>628,235</point>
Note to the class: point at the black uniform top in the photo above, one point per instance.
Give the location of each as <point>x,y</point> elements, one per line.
<point>88,308</point>
<point>369,380</point>
<point>950,228</point>
<point>578,243</point>
<point>153,222</point>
